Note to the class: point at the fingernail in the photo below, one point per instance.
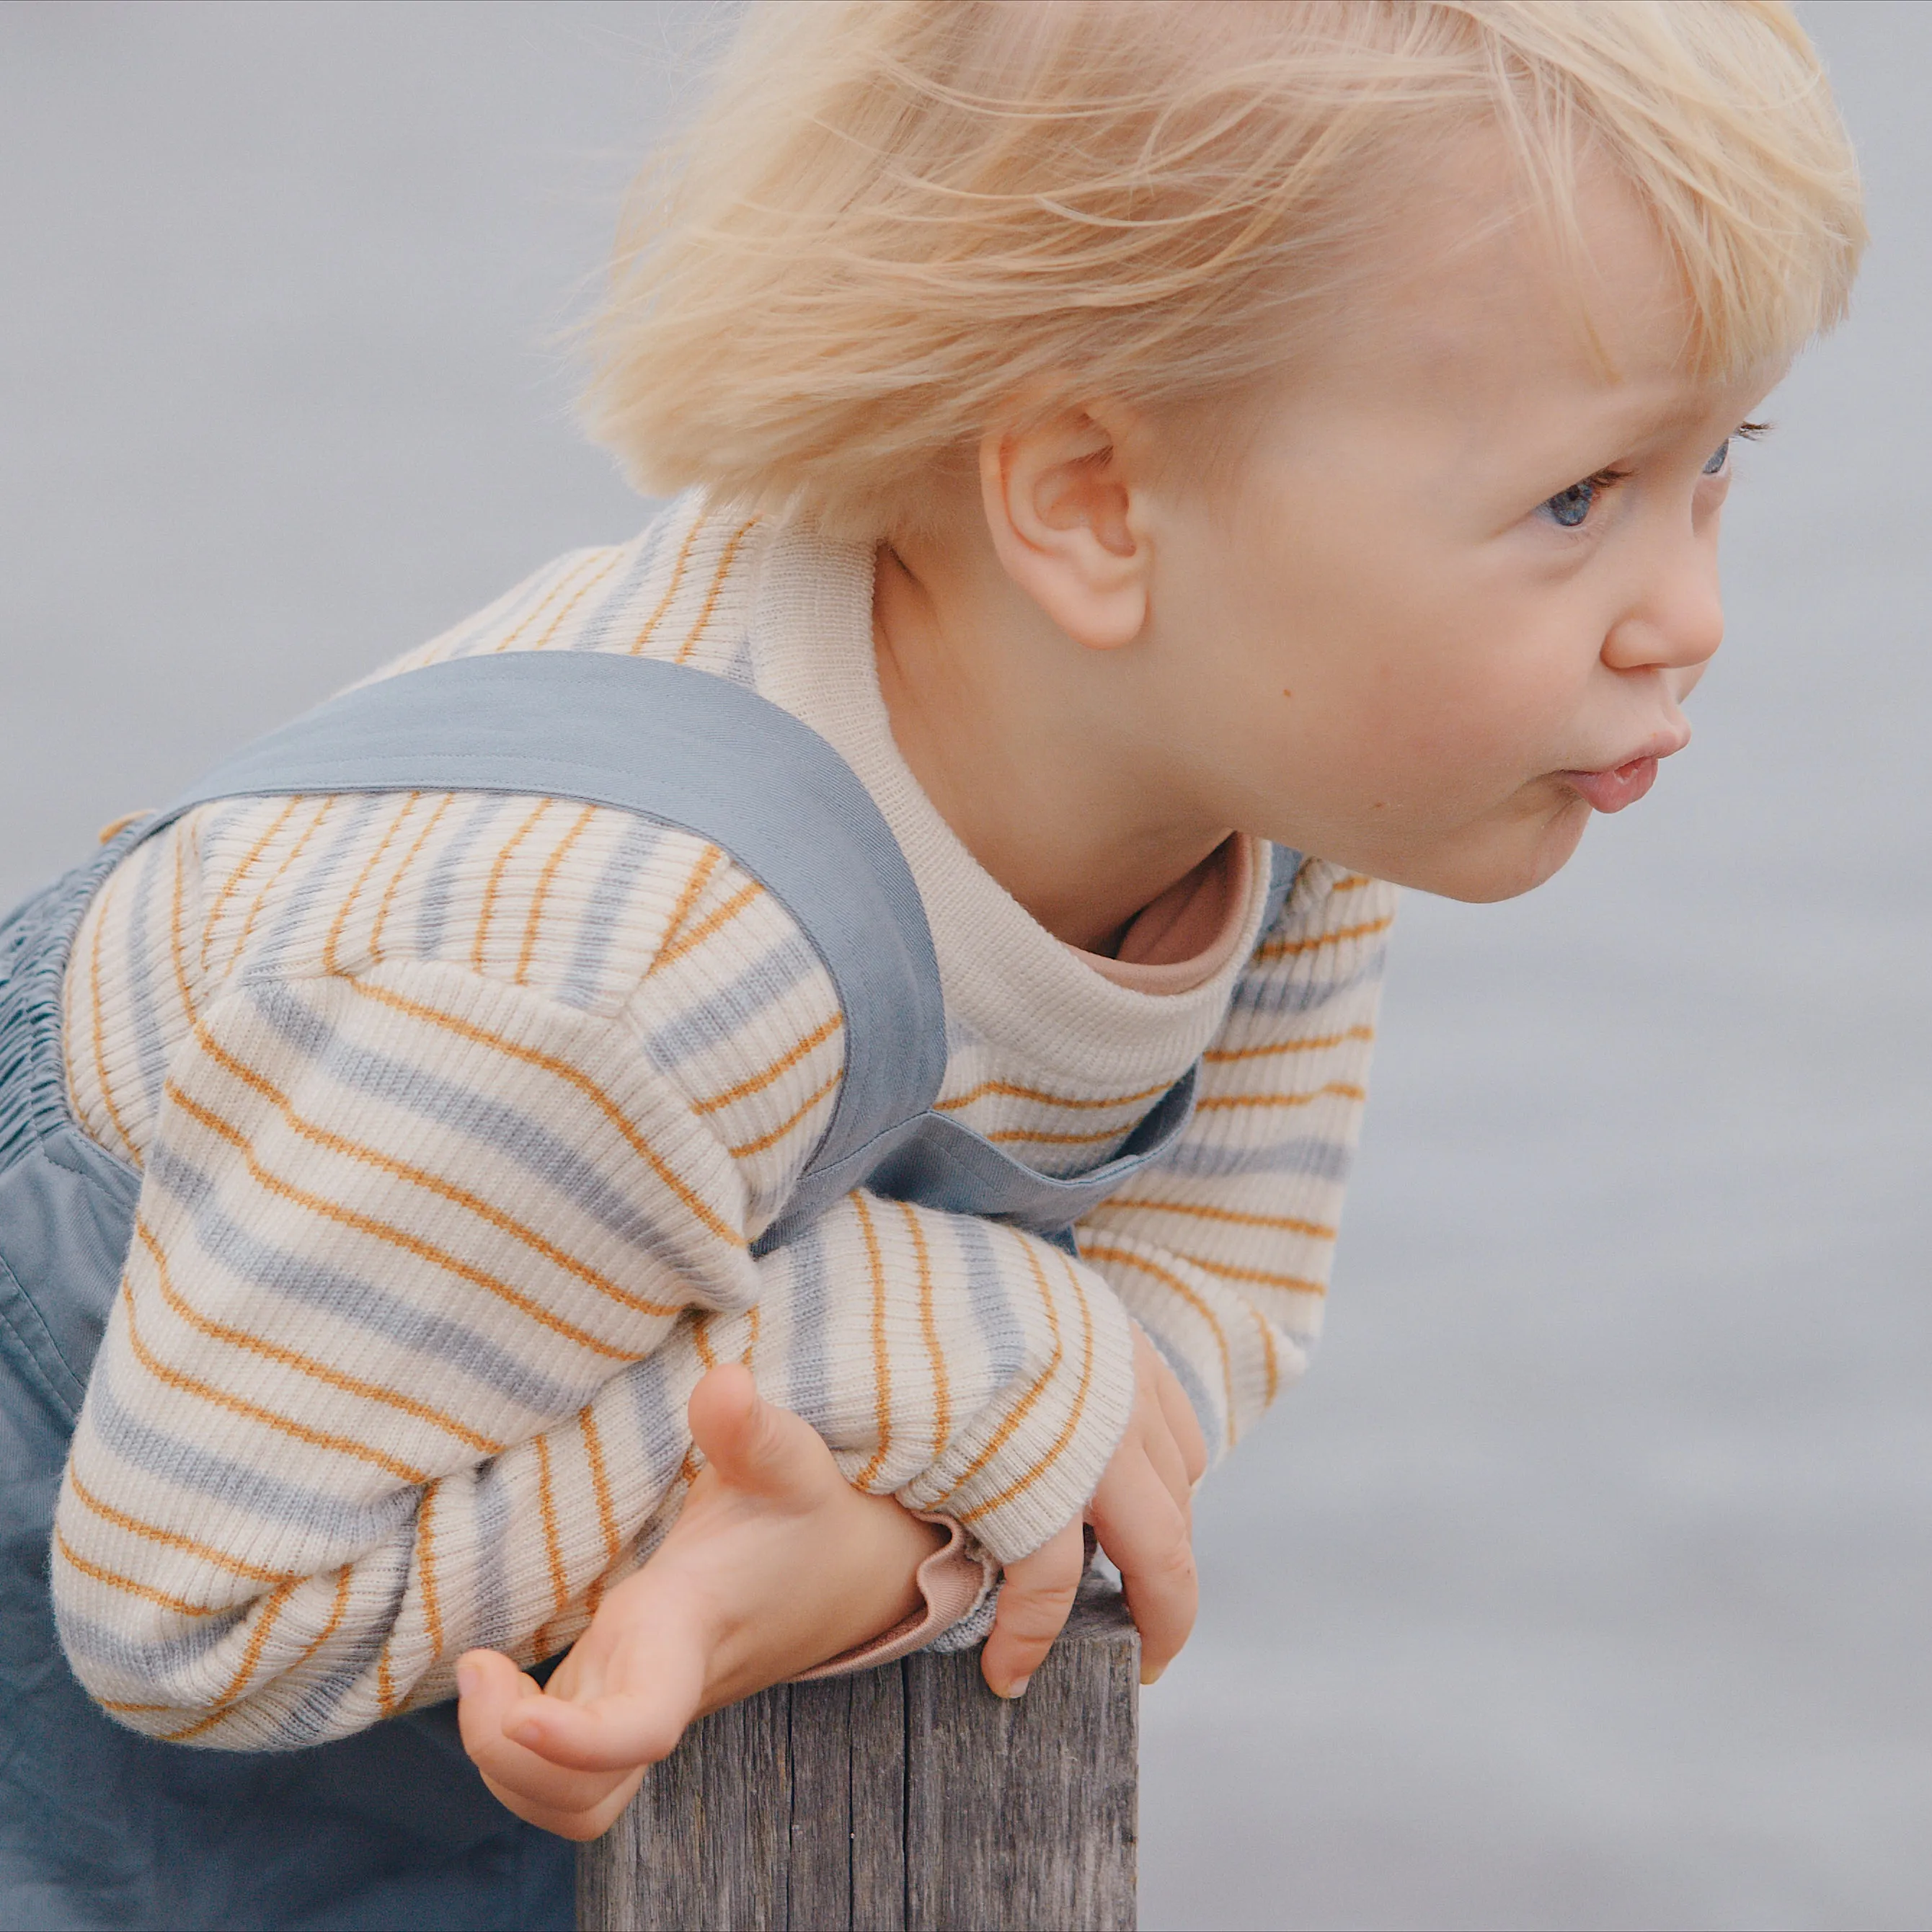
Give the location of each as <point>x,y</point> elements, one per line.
<point>1153,1676</point>
<point>1017,1688</point>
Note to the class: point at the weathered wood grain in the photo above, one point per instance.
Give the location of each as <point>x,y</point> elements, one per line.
<point>909,1799</point>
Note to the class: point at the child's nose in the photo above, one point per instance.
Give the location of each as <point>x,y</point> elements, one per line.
<point>1677,623</point>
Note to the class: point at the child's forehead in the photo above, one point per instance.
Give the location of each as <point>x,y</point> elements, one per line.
<point>1470,274</point>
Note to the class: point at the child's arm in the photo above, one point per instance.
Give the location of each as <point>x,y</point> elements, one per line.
<point>1222,1252</point>
<point>400,1361</point>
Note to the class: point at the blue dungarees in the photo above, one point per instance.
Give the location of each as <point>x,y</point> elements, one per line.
<point>100,1827</point>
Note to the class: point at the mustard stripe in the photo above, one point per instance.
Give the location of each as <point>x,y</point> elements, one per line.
<point>712,923</point>
<point>426,1568</point>
<point>564,581</point>
<point>544,881</point>
<point>172,1539</point>
<point>572,1076</point>
<point>1072,1422</point>
<point>234,878</point>
<point>547,1507</point>
<point>778,1132</point>
<point>600,1484</point>
<point>616,556</point>
<point>882,1360</point>
<point>494,884</point>
<point>272,1610</point>
<point>1013,1090</point>
<point>651,622</point>
<point>396,878</point>
<point>115,1580</point>
<point>307,1365</point>
<point>784,1064</point>
<point>700,876</point>
<point>690,644</point>
<point>1288,1224</point>
<point>219,1398</point>
<point>329,962</point>
<point>119,1126</point>
<point>261,899</point>
<point>1295,1284</point>
<point>1019,1413</point>
<point>1224,1056</point>
<point>430,1184</point>
<point>928,1323</point>
<point>382,1231</point>
<point>1103,1251</point>
<point>1285,949</point>
<point>1341,1090</point>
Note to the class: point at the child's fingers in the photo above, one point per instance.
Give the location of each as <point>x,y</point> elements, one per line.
<point>618,1731</point>
<point>578,1823</point>
<point>555,1797</point>
<point>1182,1422</point>
<point>1034,1599</point>
<point>1145,1532</point>
<point>1157,1442</point>
<point>1165,1421</point>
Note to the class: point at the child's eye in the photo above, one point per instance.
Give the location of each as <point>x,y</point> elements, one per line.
<point>1571,508</point>
<point>1719,458</point>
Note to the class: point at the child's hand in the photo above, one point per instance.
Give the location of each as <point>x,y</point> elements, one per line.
<point>1142,1516</point>
<point>774,1564</point>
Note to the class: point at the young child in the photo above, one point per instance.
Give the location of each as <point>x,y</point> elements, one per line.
<point>1197,467</point>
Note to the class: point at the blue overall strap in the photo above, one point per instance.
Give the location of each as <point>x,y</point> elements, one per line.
<point>683,748</point>
<point>939,1162</point>
<point>689,749</point>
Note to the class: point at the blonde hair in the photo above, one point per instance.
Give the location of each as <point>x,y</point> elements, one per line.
<point>894,220</point>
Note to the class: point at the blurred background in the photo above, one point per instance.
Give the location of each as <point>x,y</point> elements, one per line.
<point>1586,1582</point>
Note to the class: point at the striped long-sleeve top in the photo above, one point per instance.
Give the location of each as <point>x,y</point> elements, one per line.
<point>457,1115</point>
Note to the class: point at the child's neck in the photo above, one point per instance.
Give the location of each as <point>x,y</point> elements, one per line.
<point>1045,758</point>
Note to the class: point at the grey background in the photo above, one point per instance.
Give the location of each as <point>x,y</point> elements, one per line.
<point>1586,1582</point>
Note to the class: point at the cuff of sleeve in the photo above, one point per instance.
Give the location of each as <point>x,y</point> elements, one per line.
<point>956,1581</point>
<point>1053,1446</point>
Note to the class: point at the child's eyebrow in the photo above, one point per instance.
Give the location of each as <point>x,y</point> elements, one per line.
<point>1647,426</point>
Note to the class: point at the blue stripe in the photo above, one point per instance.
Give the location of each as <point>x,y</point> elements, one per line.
<point>161,1662</point>
<point>432,907</point>
<point>1269,989</point>
<point>705,1024</point>
<point>480,1117</point>
<point>606,912</point>
<point>284,1275</point>
<point>315,880</point>
<point>1001,1331</point>
<point>187,1466</point>
<point>1322,1159</point>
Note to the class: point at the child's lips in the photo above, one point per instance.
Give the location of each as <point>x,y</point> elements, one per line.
<point>1621,785</point>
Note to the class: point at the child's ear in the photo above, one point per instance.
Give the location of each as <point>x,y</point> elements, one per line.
<point>1067,523</point>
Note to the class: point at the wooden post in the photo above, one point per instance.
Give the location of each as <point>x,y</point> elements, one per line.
<point>906,1799</point>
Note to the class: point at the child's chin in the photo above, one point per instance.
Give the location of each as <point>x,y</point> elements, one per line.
<point>1516,859</point>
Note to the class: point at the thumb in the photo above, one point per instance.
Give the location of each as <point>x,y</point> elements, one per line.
<point>752,1445</point>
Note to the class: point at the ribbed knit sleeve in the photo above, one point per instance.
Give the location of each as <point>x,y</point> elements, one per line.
<point>1222,1251</point>
<point>460,1117</point>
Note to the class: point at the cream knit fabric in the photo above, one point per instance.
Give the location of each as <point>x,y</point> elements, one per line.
<point>457,1115</point>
